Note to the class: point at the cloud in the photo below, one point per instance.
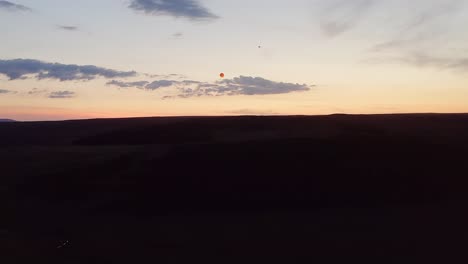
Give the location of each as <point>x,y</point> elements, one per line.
<point>257,85</point>
<point>343,15</point>
<point>147,85</point>
<point>425,40</point>
<point>20,68</point>
<point>421,27</point>
<point>420,59</point>
<point>159,84</point>
<point>178,35</point>
<point>152,85</point>
<point>434,12</point>
<point>166,76</point>
<point>189,82</point>
<point>67,28</point>
<point>121,84</point>
<point>9,6</point>
<point>424,60</point>
<point>2,91</point>
<point>391,44</point>
<point>62,94</point>
<point>189,9</point>
<point>242,85</point>
<point>36,91</point>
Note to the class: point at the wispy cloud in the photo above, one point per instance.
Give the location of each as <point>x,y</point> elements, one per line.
<point>434,12</point>
<point>190,9</point>
<point>35,91</point>
<point>343,15</point>
<point>420,28</point>
<point>9,6</point>
<point>67,28</point>
<point>21,68</point>
<point>138,84</point>
<point>61,95</point>
<point>425,60</point>
<point>423,39</point>
<point>178,35</point>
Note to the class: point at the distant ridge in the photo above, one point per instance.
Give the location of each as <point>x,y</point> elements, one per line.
<point>7,120</point>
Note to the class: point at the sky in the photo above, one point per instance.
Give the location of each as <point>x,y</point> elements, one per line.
<point>68,59</point>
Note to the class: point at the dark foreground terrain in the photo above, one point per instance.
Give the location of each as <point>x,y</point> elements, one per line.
<point>323,189</point>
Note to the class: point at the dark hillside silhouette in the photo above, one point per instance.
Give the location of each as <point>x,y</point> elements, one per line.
<point>389,188</point>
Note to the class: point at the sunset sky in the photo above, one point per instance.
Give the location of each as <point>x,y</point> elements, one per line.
<point>68,59</point>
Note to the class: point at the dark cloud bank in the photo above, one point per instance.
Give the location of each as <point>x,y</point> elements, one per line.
<point>20,68</point>
<point>9,6</point>
<point>243,85</point>
<point>189,9</point>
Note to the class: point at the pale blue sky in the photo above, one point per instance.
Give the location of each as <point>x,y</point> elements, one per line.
<point>316,56</point>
